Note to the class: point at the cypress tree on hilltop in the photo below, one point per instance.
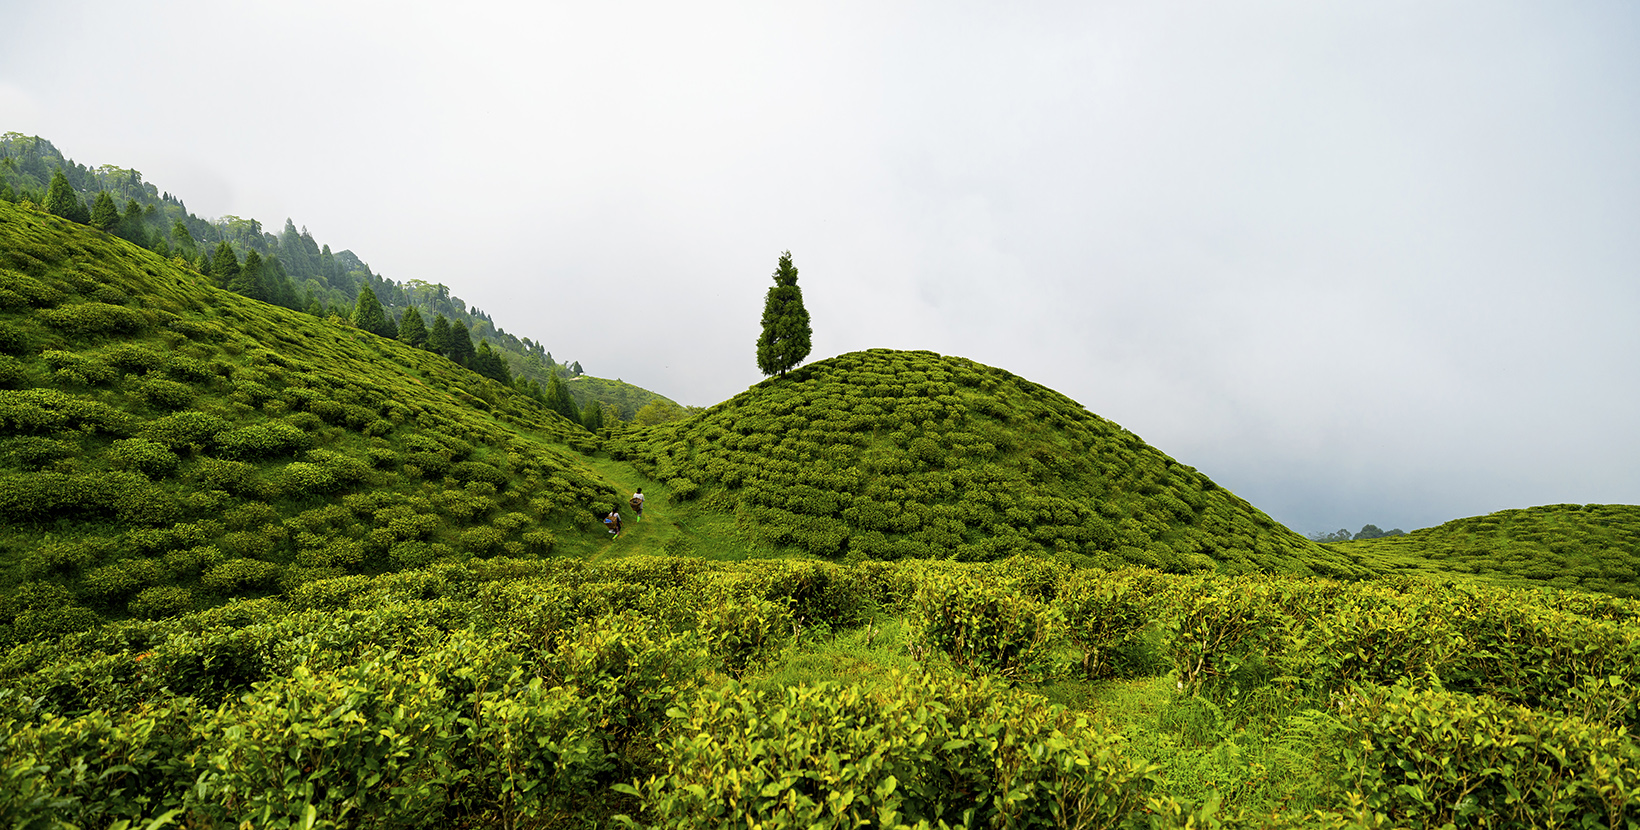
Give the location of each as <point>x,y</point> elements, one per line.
<point>785,339</point>
<point>248,281</point>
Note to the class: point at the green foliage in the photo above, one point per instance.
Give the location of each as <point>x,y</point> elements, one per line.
<point>785,338</point>
<point>917,751</point>
<point>887,455</point>
<point>1593,547</point>
<point>1429,758</point>
<point>93,318</point>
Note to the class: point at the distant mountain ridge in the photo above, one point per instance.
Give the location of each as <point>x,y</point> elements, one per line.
<point>302,274</point>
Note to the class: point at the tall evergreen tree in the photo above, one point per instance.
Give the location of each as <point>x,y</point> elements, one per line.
<point>461,344</point>
<point>248,282</point>
<point>491,365</point>
<point>438,337</point>
<point>60,198</point>
<point>785,339</point>
<point>412,330</point>
<point>104,214</point>
<point>368,314</point>
<point>224,265</point>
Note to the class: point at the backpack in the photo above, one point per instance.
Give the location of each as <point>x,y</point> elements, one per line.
<point>636,502</point>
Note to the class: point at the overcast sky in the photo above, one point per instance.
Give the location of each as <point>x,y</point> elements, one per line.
<point>1356,261</point>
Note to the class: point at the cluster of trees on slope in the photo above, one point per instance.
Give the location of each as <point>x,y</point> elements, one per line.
<point>684,693</point>
<point>885,454</point>
<point>1592,547</point>
<point>165,445</point>
<point>288,269</point>
<point>1366,532</point>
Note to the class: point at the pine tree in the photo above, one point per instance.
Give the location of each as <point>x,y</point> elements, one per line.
<point>785,339</point>
<point>438,337</point>
<point>368,314</point>
<point>461,344</point>
<point>104,214</point>
<point>224,265</point>
<point>412,330</point>
<point>60,198</point>
<point>491,365</point>
<point>248,282</point>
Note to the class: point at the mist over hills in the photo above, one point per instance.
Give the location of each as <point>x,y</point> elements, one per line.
<point>292,269</point>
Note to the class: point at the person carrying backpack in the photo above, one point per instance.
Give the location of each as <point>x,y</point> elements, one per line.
<point>613,522</point>
<point>637,503</point>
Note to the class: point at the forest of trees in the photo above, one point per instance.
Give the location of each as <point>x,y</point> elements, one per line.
<point>290,269</point>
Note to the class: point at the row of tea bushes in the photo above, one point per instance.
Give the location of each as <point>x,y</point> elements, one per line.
<point>521,692</point>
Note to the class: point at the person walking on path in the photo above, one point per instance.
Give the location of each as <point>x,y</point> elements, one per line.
<point>613,522</point>
<point>637,503</point>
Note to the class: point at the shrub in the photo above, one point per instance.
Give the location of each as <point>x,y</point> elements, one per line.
<point>482,540</point>
<point>236,477</point>
<point>915,751</point>
<point>13,341</point>
<point>143,456</point>
<point>982,626</point>
<point>185,431</point>
<point>238,575</point>
<point>112,583</point>
<point>1429,758</point>
<point>32,453</point>
<point>34,411</point>
<point>261,441</point>
<point>161,601</point>
<point>163,394</point>
<point>13,374</point>
<point>470,471</point>
<point>128,357</point>
<point>85,319</point>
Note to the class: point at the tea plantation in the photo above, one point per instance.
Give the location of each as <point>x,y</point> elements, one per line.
<point>264,570</point>
<point>888,455</point>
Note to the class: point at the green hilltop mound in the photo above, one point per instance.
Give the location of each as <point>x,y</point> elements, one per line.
<point>1594,547</point>
<point>890,454</point>
<point>167,445</point>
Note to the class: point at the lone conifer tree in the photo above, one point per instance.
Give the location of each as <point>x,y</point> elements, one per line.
<point>785,339</point>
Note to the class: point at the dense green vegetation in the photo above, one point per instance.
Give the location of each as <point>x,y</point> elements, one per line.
<point>289,269</point>
<point>165,444</point>
<point>884,455</point>
<point>1593,547</point>
<point>261,567</point>
<point>663,692</point>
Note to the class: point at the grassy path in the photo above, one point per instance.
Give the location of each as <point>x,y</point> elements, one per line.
<point>648,536</point>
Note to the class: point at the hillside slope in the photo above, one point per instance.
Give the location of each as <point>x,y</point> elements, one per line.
<point>166,445</point>
<point>887,454</point>
<point>1594,547</point>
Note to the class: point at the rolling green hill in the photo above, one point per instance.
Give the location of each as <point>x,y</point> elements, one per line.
<point>885,454</point>
<point>165,444</point>
<point>1594,547</point>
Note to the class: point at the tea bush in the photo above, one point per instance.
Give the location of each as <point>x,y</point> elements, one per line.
<point>915,752</point>
<point>90,319</point>
<point>143,456</point>
<point>1431,758</point>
